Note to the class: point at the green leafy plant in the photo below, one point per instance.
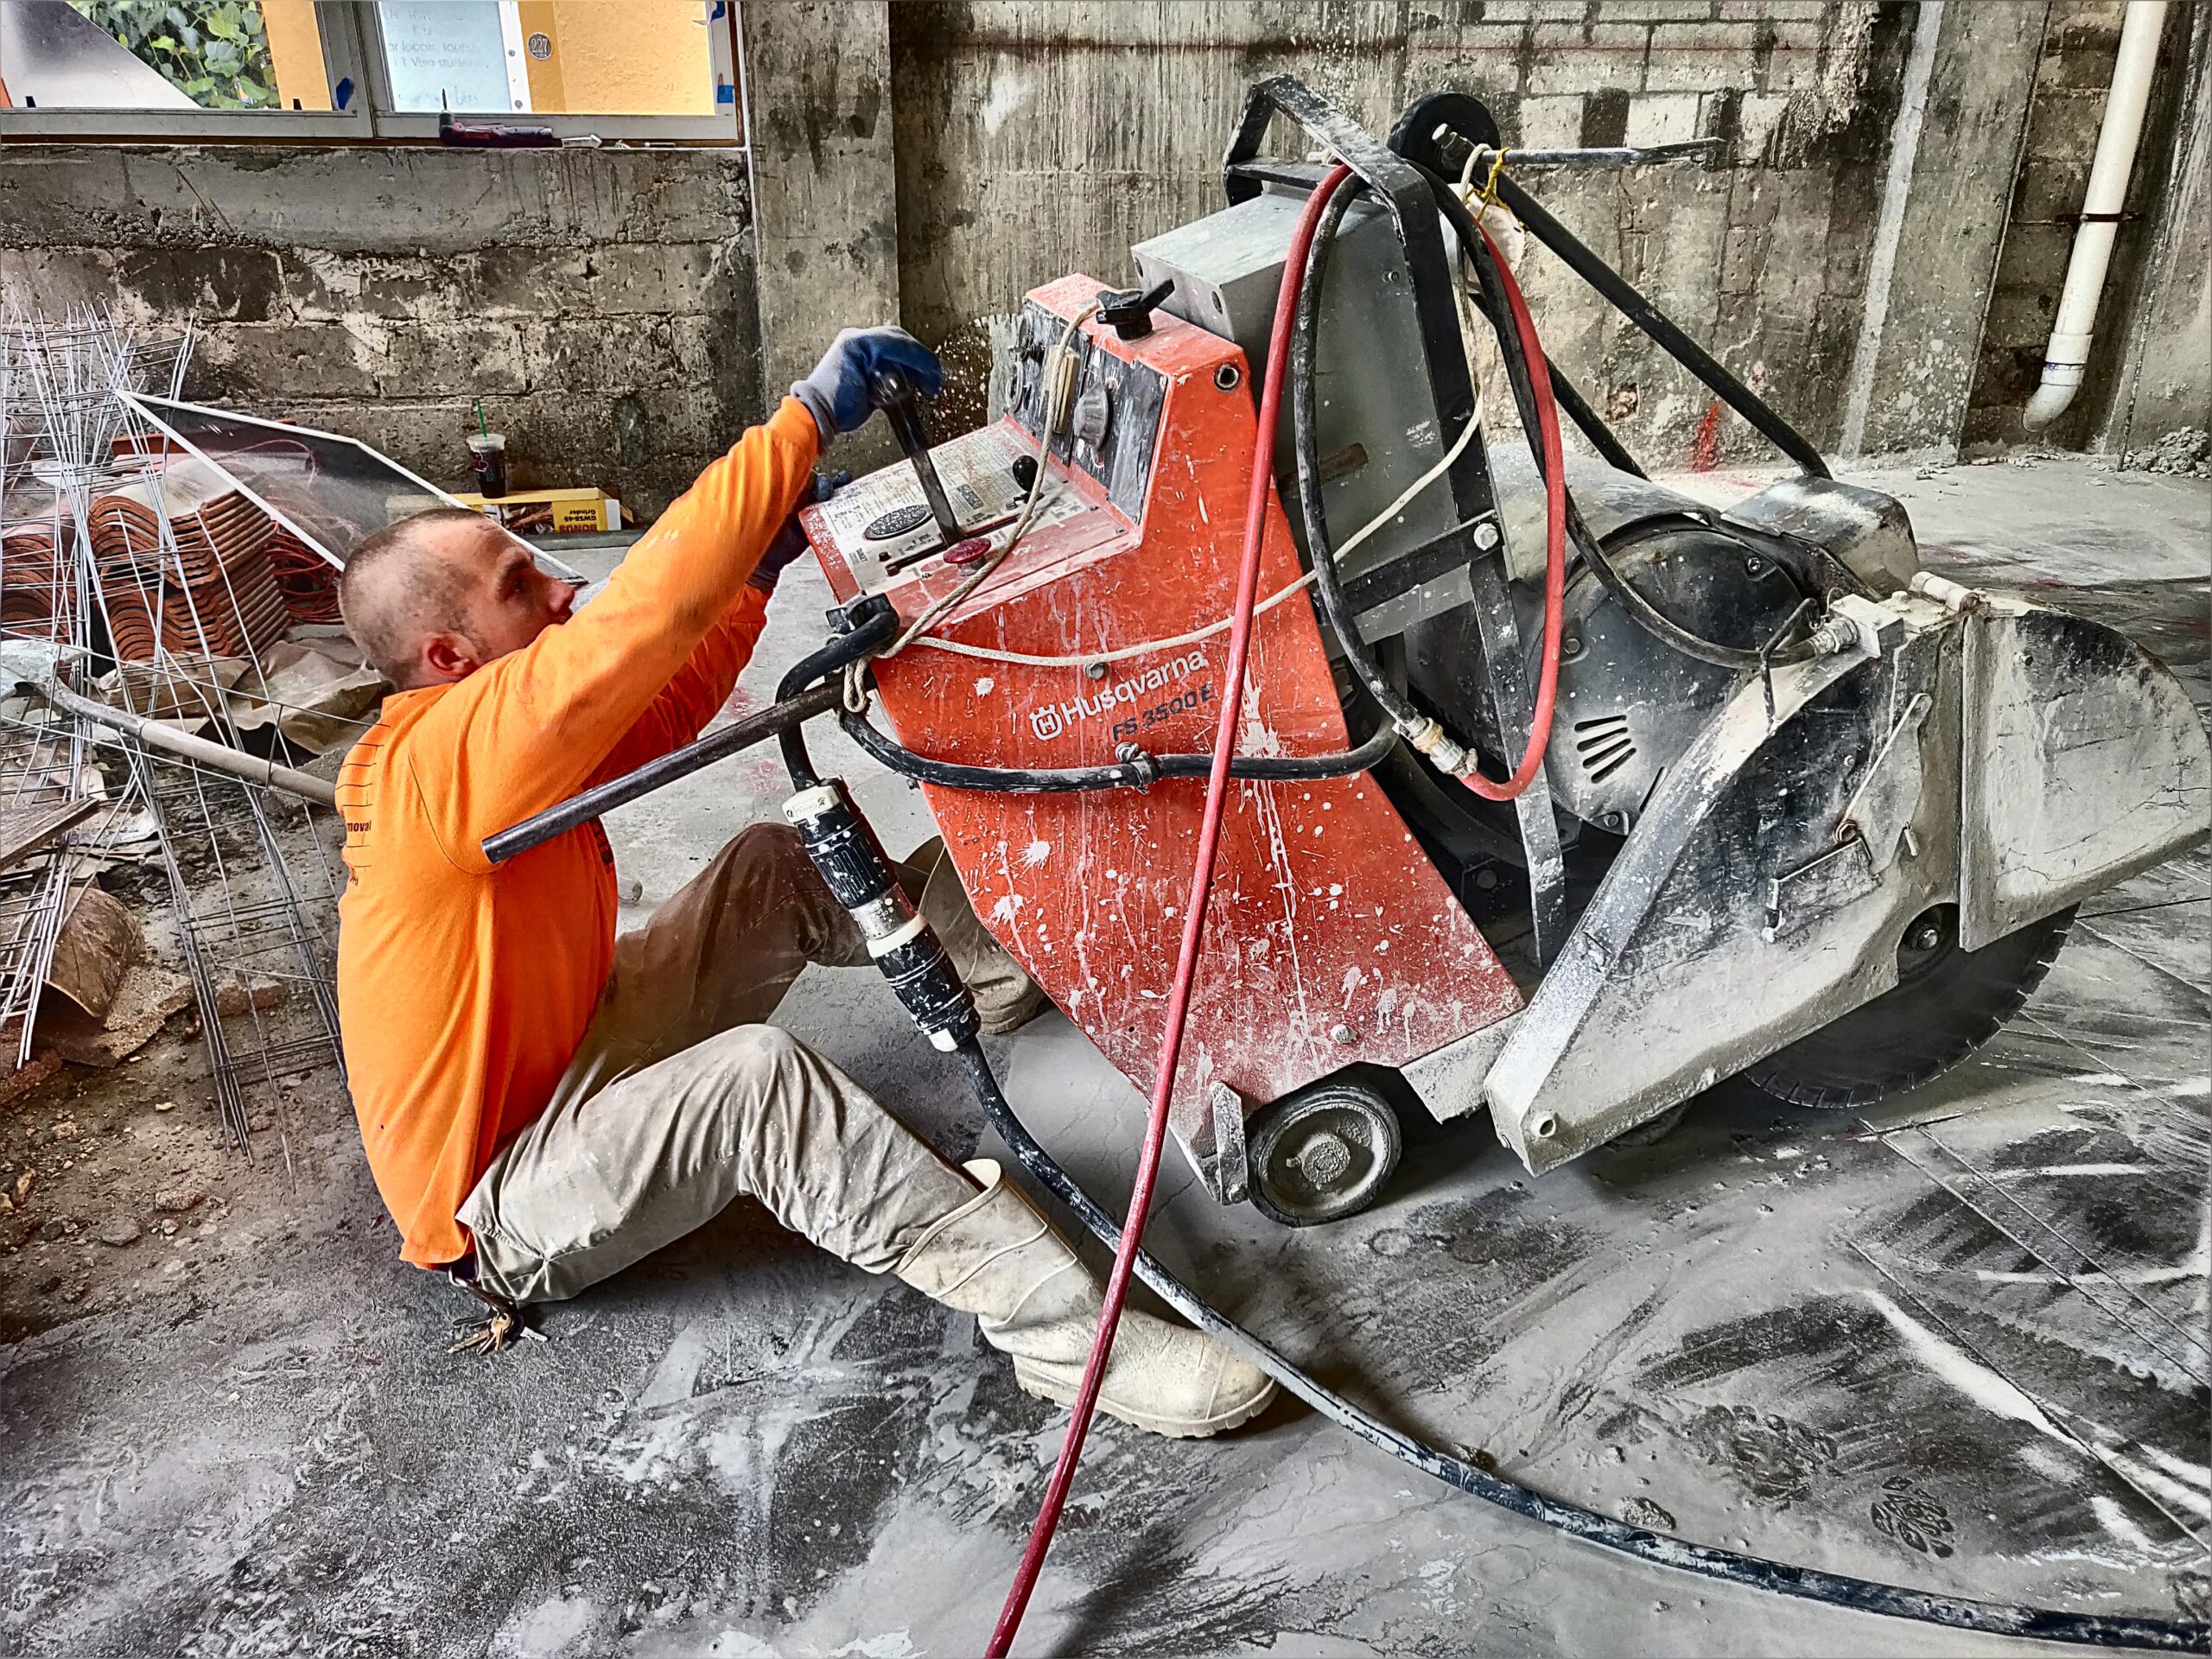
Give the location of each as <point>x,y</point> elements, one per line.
<point>215,52</point>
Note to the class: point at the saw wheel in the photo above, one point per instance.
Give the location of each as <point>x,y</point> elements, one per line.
<point>1947,1003</point>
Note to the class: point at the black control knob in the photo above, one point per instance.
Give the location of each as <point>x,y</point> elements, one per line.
<point>1129,313</point>
<point>1025,473</point>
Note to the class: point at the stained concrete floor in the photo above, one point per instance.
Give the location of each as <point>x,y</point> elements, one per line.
<point>1959,1344</point>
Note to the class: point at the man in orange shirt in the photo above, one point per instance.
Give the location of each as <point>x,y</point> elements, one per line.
<point>544,1104</point>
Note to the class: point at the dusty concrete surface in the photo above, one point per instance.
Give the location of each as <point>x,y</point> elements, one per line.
<point>1848,1344</point>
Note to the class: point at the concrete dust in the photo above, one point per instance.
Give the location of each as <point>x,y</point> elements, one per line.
<point>246,1437</point>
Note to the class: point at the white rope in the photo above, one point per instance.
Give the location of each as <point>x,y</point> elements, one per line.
<point>1121,654</point>
<point>1197,636</point>
<point>916,633</point>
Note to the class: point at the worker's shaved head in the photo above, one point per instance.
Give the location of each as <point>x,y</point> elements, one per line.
<point>433,598</point>
<point>402,584</point>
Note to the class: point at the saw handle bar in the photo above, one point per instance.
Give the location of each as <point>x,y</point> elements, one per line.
<point>1419,139</point>
<point>1661,329</point>
<point>1599,554</point>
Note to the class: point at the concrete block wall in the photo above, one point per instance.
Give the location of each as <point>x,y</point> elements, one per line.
<point>1034,139</point>
<point>601,302</point>
<point>2154,315</point>
<point>932,161</point>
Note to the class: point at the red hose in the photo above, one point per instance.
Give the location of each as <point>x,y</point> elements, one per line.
<point>1540,380</point>
<point>1225,743</point>
<point>1194,916</point>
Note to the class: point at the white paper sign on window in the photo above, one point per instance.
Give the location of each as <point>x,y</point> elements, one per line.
<point>446,54</point>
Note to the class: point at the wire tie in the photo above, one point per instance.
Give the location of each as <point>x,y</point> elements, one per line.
<point>1490,187</point>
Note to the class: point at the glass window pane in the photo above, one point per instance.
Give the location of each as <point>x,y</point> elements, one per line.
<point>332,491</point>
<point>295,54</point>
<point>56,58</point>
<point>586,57</point>
<point>169,56</point>
<point>451,54</point>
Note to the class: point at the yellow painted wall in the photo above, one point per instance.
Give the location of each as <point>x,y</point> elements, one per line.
<point>295,53</point>
<point>619,57</point>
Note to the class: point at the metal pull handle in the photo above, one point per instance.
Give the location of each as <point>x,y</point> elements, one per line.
<point>901,404</point>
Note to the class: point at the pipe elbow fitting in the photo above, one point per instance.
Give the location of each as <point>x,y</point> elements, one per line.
<point>2053,398</point>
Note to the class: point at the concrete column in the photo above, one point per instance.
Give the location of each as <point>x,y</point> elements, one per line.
<point>1940,224</point>
<point>817,84</point>
<point>2166,379</point>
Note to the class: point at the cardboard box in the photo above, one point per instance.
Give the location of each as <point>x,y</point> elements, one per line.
<point>537,512</point>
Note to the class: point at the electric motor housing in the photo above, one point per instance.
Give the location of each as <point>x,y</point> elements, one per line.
<point>1630,703</point>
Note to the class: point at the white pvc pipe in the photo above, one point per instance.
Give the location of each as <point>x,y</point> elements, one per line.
<point>186,747</point>
<point>2068,355</point>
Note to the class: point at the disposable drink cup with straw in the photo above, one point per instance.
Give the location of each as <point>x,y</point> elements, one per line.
<point>487,456</point>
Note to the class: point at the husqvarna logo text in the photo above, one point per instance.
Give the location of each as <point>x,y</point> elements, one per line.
<point>1053,718</point>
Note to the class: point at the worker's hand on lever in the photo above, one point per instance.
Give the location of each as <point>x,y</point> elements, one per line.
<point>790,541</point>
<point>841,392</point>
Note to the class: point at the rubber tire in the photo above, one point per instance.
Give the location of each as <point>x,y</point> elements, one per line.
<point>1934,1017</point>
<point>1266,1125</point>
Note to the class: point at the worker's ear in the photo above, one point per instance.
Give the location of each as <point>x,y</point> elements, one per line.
<point>448,657</point>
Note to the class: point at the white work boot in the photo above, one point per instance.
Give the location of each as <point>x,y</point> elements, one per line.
<point>997,1258</point>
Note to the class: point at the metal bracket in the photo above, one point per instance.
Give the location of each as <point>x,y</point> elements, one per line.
<point>1810,892</point>
<point>1231,1171</point>
<point>1509,705</point>
<point>1211,1132</point>
<point>1405,191</point>
<point>1888,796</point>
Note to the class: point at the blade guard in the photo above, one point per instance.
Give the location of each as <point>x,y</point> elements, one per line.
<point>2083,762</point>
<point>1964,748</point>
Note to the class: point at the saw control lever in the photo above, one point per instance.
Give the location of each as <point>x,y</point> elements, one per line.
<point>901,404</point>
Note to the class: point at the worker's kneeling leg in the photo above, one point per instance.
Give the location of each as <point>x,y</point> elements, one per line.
<point>723,949</point>
<point>996,1257</point>
<point>602,1181</point>
<point>727,945</point>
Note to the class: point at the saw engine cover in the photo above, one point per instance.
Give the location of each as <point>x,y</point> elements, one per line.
<point>1630,703</point>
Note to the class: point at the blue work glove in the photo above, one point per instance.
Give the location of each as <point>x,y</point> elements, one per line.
<point>790,541</point>
<point>836,393</point>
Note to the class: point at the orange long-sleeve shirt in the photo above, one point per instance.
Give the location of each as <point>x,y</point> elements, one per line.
<point>463,990</point>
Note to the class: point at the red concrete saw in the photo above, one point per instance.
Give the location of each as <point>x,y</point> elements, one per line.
<point>1799,808</point>
<point>1775,801</point>
<point>1805,811</point>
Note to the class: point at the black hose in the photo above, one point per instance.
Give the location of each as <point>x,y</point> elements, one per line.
<point>1811,1584</point>
<point>1328,583</point>
<point>1593,551</point>
<point>872,630</point>
<point>1137,770</point>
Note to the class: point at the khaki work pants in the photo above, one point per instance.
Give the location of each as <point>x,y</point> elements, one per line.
<point>679,1099</point>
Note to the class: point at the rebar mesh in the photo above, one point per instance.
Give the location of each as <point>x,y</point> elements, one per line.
<point>113,557</point>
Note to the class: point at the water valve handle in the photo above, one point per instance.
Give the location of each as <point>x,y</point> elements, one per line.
<point>1129,313</point>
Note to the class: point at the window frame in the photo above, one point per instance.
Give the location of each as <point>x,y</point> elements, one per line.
<point>352,49</point>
